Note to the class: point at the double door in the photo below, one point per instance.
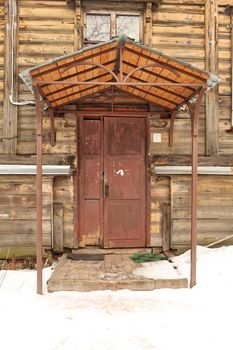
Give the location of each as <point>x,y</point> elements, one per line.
<point>112,182</point>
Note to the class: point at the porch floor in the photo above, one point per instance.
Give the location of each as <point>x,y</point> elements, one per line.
<point>114,272</point>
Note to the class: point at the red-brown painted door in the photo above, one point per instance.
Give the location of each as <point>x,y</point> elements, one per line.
<point>124,182</point>
<point>112,191</point>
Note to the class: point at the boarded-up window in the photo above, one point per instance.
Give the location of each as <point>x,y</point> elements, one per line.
<point>104,26</point>
<point>98,27</point>
<point>129,25</point>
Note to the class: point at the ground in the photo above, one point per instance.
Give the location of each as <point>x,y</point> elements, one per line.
<point>161,319</point>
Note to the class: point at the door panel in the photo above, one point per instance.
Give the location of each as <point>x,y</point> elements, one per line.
<point>92,222</point>
<point>124,220</point>
<point>93,175</point>
<point>124,163</point>
<point>124,179</point>
<point>125,136</point>
<point>91,168</point>
<point>92,137</point>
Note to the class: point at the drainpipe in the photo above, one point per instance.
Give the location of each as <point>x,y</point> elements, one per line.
<point>229,11</point>
<point>12,25</point>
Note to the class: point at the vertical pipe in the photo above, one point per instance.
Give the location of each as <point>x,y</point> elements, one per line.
<point>38,191</point>
<point>195,120</point>
<point>231,14</point>
<point>194,209</point>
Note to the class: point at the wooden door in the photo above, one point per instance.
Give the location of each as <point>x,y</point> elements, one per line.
<point>113,182</point>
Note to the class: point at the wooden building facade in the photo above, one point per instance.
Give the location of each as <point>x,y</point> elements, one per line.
<point>32,33</point>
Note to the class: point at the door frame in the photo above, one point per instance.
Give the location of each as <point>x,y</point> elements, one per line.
<point>78,181</point>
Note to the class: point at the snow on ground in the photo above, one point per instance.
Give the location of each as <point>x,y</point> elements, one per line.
<point>182,319</point>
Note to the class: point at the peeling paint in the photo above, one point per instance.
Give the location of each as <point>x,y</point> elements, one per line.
<point>120,172</point>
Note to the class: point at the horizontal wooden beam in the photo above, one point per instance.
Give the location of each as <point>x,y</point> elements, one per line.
<point>155,160</point>
<point>59,159</point>
<point>71,2</point>
<point>186,160</point>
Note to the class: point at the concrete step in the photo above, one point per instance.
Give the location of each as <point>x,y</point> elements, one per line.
<point>117,271</point>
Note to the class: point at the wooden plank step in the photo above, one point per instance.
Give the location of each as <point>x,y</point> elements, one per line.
<point>97,250</point>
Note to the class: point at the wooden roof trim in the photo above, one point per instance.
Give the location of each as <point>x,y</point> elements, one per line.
<point>169,65</point>
<point>94,90</point>
<point>109,48</point>
<point>151,72</point>
<point>155,100</point>
<point>164,89</point>
<point>157,77</point>
<point>78,87</point>
<point>151,88</point>
<point>72,76</point>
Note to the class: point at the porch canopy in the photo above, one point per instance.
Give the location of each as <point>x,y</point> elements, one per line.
<point>133,68</point>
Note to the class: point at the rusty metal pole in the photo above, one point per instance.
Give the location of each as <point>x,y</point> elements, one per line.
<point>195,113</point>
<point>39,118</point>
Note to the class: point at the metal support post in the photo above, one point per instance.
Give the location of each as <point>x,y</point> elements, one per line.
<point>195,113</point>
<point>39,261</point>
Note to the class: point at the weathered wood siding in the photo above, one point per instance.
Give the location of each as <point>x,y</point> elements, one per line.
<point>160,195</point>
<point>215,209</point>
<point>225,139</point>
<point>64,195</point>
<point>179,31</point>
<point>2,30</point>
<point>46,30</point>
<point>18,214</point>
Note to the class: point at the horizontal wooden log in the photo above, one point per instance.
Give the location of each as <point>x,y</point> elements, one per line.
<point>59,159</point>
<point>22,226</point>
<point>204,199</point>
<point>211,213</point>
<point>216,228</point>
<point>25,213</point>
<point>43,12</point>
<point>186,160</point>
<point>19,252</point>
<point>23,239</point>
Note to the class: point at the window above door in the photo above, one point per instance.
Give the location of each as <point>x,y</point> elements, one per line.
<point>103,26</point>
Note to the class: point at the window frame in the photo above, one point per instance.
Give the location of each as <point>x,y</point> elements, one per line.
<point>113,17</point>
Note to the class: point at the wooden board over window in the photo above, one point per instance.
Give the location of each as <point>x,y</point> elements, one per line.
<point>103,25</point>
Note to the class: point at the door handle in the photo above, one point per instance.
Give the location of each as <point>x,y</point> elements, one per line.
<point>105,185</point>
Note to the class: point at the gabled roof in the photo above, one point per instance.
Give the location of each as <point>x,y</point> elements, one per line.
<point>131,67</point>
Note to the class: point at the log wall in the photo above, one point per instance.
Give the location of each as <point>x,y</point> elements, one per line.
<point>178,28</point>
<point>18,214</point>
<point>46,30</point>
<point>215,209</point>
<point>225,139</point>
